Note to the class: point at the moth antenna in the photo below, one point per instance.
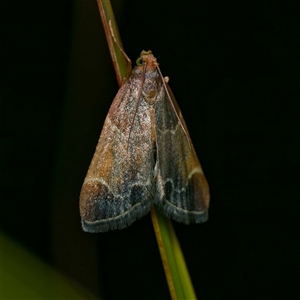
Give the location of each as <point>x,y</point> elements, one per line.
<point>172,104</point>
<point>138,103</point>
<point>115,40</point>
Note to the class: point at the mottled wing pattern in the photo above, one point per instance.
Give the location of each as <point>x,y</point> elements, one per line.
<point>118,187</point>
<point>182,190</point>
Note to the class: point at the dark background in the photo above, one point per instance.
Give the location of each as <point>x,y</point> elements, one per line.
<point>234,68</point>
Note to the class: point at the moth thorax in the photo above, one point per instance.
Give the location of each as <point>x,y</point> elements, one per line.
<point>151,87</point>
<point>150,97</point>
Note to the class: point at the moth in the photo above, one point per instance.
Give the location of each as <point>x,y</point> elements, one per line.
<point>144,156</point>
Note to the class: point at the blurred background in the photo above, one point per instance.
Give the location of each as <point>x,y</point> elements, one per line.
<point>234,69</point>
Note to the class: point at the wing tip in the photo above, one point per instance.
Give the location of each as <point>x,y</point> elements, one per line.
<point>183,216</point>
<point>122,221</point>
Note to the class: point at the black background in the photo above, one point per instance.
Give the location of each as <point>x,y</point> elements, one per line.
<point>234,68</point>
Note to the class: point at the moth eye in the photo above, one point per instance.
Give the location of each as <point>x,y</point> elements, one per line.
<point>139,61</point>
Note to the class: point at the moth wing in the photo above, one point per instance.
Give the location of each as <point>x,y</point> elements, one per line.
<point>118,187</point>
<point>182,189</point>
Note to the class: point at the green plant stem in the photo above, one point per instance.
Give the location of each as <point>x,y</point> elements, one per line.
<point>121,65</point>
<point>177,274</point>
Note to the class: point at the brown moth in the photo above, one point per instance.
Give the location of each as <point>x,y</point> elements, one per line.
<point>144,156</point>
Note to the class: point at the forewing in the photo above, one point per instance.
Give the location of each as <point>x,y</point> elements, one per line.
<point>118,187</point>
<point>182,190</point>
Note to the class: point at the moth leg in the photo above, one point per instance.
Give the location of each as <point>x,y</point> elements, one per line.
<point>121,49</point>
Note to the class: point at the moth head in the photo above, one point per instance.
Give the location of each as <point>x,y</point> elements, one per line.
<point>147,58</point>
